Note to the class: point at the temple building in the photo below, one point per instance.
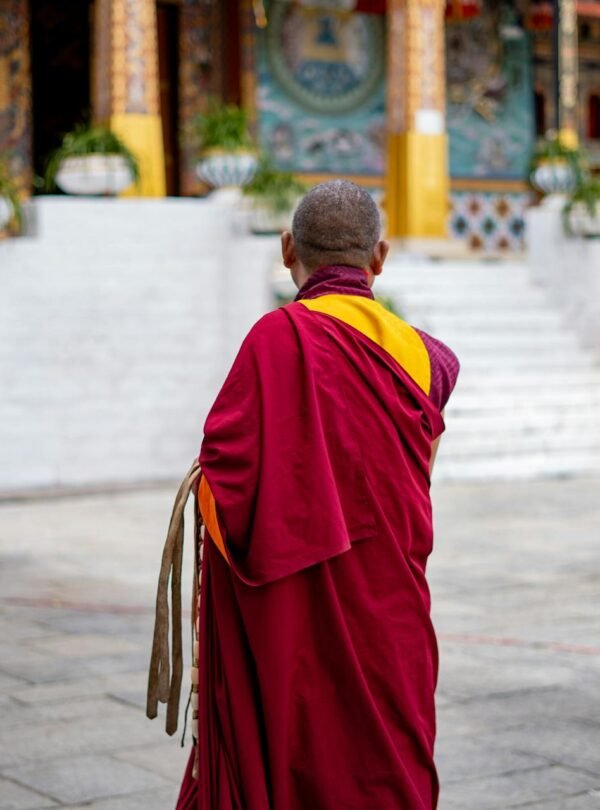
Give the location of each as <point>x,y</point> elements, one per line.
<point>434,105</point>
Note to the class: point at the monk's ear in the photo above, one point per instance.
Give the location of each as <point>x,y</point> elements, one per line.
<point>288,250</point>
<point>380,252</point>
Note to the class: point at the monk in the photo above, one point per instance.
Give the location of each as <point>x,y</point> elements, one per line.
<point>317,659</point>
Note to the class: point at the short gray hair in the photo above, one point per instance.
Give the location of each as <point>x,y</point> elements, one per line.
<point>337,222</point>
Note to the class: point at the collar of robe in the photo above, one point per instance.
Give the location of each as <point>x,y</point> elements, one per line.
<point>336,280</point>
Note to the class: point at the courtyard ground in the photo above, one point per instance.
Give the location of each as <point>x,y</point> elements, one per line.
<point>515,580</point>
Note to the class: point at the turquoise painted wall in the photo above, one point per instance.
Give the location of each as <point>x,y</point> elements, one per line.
<point>321,92</point>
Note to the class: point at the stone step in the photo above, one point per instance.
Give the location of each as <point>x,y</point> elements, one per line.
<point>480,362</point>
<point>511,400</point>
<point>527,402</point>
<point>587,379</point>
<point>515,335</point>
<point>501,422</point>
<point>430,273</point>
<point>442,288</point>
<point>502,341</point>
<point>534,465</point>
<point>517,444</point>
<point>458,323</point>
<point>397,275</point>
<point>424,313</point>
<point>482,275</point>
<point>409,265</point>
<point>464,300</point>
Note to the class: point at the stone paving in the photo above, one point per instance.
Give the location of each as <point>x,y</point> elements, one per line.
<point>516,590</point>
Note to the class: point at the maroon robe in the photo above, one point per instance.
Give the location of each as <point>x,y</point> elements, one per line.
<point>318,659</point>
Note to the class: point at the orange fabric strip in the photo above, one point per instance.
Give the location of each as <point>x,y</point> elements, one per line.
<point>208,510</point>
<point>389,332</point>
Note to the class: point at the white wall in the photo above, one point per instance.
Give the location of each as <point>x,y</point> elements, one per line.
<point>118,321</point>
<point>569,267</point>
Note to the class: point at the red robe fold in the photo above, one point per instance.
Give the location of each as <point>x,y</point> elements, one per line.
<point>317,654</point>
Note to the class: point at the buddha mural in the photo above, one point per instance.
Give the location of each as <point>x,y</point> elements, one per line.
<point>327,58</point>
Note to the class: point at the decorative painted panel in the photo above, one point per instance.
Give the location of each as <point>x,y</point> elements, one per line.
<point>15,91</point>
<point>321,97</point>
<point>489,221</point>
<point>102,62</point>
<point>135,65</point>
<point>398,68</point>
<point>490,116</point>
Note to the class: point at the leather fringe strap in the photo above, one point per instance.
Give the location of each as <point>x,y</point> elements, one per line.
<point>165,673</point>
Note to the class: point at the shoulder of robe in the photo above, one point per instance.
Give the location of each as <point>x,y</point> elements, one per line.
<point>268,331</point>
<point>441,354</point>
<point>445,367</point>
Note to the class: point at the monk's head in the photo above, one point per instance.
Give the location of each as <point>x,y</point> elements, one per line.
<point>336,223</point>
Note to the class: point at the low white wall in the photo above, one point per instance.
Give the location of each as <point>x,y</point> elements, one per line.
<point>118,321</point>
<point>569,267</point>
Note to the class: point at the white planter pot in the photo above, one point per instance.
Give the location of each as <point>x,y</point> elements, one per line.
<point>220,169</point>
<point>263,220</point>
<point>94,175</point>
<point>582,223</point>
<point>6,212</point>
<point>553,177</point>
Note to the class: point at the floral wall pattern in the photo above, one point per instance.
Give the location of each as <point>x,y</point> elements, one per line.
<point>15,91</point>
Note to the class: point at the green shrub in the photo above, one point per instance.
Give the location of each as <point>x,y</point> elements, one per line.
<point>551,148</point>
<point>89,140</point>
<point>278,190</point>
<point>223,126</point>
<point>8,190</point>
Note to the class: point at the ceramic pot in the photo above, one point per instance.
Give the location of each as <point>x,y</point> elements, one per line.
<point>553,177</point>
<point>263,220</point>
<point>6,212</point>
<point>220,168</point>
<point>94,175</point>
<point>581,223</point>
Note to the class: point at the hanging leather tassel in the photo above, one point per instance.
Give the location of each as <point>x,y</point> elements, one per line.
<point>165,672</point>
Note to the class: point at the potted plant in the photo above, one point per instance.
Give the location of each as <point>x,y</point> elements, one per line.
<point>11,212</point>
<point>91,160</point>
<point>582,211</point>
<point>228,156</point>
<point>556,168</point>
<point>274,195</point>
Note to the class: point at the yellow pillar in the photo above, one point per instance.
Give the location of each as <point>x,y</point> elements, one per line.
<point>126,85</point>
<point>417,185</point>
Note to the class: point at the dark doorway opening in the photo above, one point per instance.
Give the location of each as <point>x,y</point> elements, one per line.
<point>230,51</point>
<point>594,116</point>
<point>167,15</point>
<point>539,101</point>
<point>60,68</point>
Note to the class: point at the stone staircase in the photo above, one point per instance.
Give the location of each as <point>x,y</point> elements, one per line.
<point>528,399</point>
